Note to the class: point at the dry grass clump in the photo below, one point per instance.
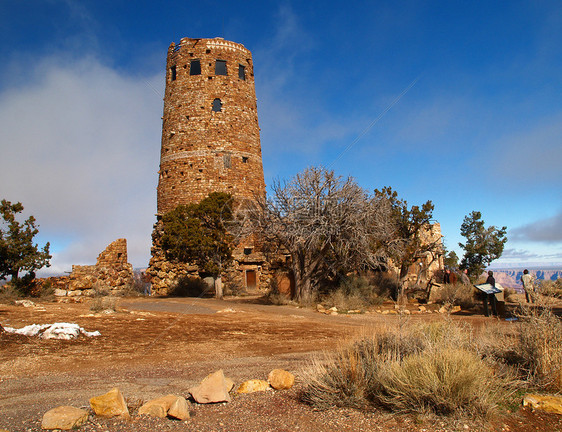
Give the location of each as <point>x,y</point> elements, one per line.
<point>9,294</point>
<point>532,348</point>
<point>418,368</point>
<point>454,294</point>
<point>551,288</point>
<point>540,343</point>
<point>103,304</point>
<point>358,293</point>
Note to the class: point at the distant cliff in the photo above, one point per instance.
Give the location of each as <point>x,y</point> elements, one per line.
<point>511,278</point>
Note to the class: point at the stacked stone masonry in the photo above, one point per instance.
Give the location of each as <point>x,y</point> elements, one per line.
<point>210,143</point>
<point>111,274</point>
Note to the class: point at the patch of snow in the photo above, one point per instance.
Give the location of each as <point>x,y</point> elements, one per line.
<point>65,331</point>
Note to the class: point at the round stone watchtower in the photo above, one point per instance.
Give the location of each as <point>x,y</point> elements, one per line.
<point>210,143</point>
<point>210,131</point>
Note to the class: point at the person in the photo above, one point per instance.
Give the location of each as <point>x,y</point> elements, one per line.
<point>527,281</point>
<point>490,298</point>
<point>465,280</point>
<point>447,277</point>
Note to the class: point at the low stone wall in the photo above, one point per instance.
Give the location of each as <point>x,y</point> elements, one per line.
<point>111,274</point>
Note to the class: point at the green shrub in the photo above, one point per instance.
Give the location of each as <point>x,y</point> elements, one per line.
<point>189,286</point>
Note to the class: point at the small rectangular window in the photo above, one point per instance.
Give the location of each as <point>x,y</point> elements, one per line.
<point>227,161</point>
<point>244,159</point>
<point>217,105</point>
<point>242,72</point>
<point>195,67</point>
<point>173,73</point>
<point>220,67</point>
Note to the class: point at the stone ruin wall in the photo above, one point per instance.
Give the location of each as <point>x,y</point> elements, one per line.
<point>210,143</point>
<point>423,272</point>
<point>111,274</point>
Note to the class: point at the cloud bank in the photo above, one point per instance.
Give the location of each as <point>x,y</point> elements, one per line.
<point>547,230</point>
<point>80,149</point>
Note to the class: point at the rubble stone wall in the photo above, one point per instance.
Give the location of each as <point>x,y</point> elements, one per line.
<point>111,273</point>
<point>423,271</point>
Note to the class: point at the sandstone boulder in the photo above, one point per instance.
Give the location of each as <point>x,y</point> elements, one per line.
<point>280,379</point>
<point>229,384</point>
<point>252,386</point>
<point>64,418</point>
<point>111,404</point>
<point>214,388</point>
<point>179,409</point>
<point>551,404</point>
<point>59,292</point>
<point>158,407</point>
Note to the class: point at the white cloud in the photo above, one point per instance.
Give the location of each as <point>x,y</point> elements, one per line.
<point>547,230</point>
<point>80,149</point>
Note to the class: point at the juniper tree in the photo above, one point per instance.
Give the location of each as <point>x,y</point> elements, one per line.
<point>17,251</point>
<point>483,245</point>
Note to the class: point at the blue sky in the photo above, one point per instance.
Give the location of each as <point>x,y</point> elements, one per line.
<point>479,127</point>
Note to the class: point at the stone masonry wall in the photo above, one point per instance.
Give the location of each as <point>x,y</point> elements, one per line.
<point>423,271</point>
<point>111,273</point>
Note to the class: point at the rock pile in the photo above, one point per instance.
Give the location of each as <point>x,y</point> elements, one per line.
<point>214,388</point>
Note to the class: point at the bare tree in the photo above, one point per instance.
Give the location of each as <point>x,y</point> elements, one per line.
<point>326,224</point>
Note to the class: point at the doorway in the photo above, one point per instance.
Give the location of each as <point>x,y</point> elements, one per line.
<point>251,280</point>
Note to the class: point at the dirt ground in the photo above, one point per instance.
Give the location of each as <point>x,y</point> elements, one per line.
<point>153,347</point>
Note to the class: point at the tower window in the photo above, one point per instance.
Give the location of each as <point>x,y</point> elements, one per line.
<point>173,73</point>
<point>195,67</point>
<point>242,72</point>
<point>217,105</point>
<point>220,67</point>
<point>244,159</point>
<point>227,162</point>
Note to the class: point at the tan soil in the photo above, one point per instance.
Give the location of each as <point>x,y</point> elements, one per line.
<point>153,347</point>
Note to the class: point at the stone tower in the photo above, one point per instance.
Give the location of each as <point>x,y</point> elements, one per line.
<point>210,131</point>
<point>210,143</point>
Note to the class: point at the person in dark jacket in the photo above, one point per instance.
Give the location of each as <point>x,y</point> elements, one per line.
<point>490,297</point>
